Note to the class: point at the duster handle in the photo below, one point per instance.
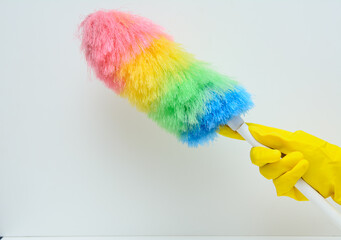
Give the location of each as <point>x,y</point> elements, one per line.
<point>237,124</point>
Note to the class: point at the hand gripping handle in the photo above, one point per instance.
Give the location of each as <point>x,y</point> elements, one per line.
<point>237,124</point>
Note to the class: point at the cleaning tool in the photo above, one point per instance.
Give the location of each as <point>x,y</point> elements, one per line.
<point>139,61</point>
<point>136,59</point>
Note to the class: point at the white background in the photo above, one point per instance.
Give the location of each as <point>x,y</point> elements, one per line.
<point>76,159</point>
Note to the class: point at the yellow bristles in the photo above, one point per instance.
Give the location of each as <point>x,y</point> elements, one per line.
<point>148,76</point>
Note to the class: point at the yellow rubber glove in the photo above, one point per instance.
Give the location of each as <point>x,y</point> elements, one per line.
<point>295,155</point>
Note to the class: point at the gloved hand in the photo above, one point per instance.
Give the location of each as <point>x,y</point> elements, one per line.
<point>295,155</point>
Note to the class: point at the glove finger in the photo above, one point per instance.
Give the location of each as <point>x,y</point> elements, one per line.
<point>226,131</point>
<point>261,156</point>
<point>337,194</point>
<point>276,169</point>
<point>296,194</point>
<point>288,180</point>
<point>272,137</point>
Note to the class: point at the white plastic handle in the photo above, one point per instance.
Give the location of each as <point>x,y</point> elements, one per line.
<point>238,124</point>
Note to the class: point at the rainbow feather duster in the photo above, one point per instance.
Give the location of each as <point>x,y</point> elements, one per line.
<point>136,59</point>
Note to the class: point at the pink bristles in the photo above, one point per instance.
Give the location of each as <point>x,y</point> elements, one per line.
<point>112,38</point>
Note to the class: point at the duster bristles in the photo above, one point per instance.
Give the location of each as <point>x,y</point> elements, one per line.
<point>136,59</point>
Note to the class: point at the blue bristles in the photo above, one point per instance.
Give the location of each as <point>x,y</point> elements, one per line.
<point>218,111</point>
